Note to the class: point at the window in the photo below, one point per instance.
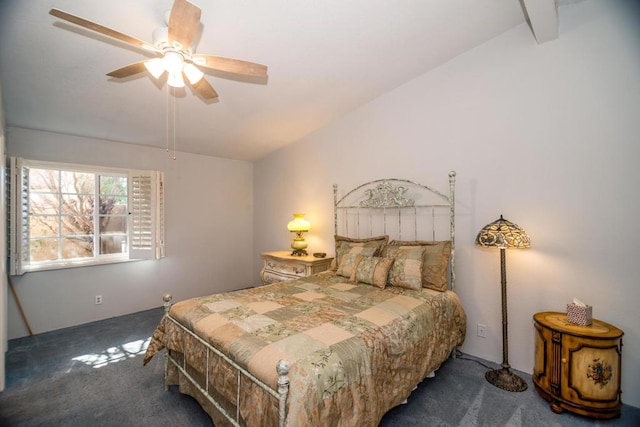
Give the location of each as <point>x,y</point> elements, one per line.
<point>66,215</point>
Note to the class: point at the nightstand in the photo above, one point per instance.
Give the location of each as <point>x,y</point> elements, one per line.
<point>281,265</point>
<point>578,368</point>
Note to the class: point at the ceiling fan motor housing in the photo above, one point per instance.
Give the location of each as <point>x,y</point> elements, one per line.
<point>161,37</point>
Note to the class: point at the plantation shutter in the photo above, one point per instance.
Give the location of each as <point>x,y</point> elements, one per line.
<point>146,215</point>
<point>18,210</point>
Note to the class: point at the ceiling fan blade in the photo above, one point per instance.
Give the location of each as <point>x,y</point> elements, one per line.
<point>128,70</point>
<point>231,65</point>
<point>205,89</point>
<point>183,22</point>
<point>102,30</point>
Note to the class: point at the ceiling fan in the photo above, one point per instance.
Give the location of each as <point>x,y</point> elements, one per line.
<point>173,50</point>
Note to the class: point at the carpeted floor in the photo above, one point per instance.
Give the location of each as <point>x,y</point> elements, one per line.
<point>92,375</point>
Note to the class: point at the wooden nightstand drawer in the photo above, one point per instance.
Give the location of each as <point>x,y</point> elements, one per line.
<point>281,265</point>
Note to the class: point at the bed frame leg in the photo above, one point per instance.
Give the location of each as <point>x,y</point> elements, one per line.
<point>282,367</point>
<point>166,298</point>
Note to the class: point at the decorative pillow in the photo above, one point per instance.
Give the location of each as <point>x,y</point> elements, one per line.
<point>347,261</point>
<point>406,271</point>
<point>344,245</point>
<point>435,263</point>
<point>371,270</point>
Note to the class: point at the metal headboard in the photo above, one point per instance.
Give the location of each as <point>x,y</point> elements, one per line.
<point>399,208</point>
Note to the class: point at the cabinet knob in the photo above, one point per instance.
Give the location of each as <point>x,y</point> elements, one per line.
<point>564,360</point>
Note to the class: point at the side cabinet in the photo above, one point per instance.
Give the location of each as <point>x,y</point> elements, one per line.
<point>578,368</point>
<point>278,266</point>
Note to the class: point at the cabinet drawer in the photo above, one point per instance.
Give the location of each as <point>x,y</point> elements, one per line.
<point>285,268</point>
<point>269,277</point>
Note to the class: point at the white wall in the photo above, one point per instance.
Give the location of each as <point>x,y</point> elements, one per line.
<point>3,250</point>
<point>545,134</point>
<point>209,236</point>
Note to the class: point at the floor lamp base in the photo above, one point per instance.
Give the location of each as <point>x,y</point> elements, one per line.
<point>506,380</point>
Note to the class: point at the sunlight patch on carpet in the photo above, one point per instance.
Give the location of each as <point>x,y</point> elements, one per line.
<point>472,416</point>
<point>114,354</point>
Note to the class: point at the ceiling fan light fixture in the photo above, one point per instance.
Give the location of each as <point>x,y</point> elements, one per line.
<point>193,74</point>
<point>175,79</point>
<point>155,67</point>
<point>173,62</point>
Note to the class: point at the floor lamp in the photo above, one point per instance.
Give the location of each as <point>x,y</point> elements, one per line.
<point>504,234</point>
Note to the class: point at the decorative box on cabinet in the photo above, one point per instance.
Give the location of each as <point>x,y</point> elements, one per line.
<point>578,368</point>
<point>281,265</point>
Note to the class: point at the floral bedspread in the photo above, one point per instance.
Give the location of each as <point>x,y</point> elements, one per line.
<point>355,350</point>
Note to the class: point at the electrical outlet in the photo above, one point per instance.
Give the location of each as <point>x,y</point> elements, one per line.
<point>98,299</point>
<point>482,330</point>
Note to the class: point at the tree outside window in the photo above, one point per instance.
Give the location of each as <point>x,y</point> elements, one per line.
<point>63,219</point>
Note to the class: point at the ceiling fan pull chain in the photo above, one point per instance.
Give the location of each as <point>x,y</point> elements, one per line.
<point>173,92</point>
<point>167,121</point>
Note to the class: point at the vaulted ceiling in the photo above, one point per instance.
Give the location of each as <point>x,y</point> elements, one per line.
<point>325,59</point>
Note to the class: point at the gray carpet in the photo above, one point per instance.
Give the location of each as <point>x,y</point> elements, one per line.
<point>92,375</point>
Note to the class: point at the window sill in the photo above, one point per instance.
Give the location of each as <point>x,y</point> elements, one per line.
<point>76,264</point>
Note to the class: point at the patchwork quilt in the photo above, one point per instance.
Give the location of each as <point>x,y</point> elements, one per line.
<point>355,350</point>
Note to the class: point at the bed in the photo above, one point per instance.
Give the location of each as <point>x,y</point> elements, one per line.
<point>339,348</point>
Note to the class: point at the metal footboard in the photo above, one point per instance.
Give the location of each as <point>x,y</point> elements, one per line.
<point>282,368</point>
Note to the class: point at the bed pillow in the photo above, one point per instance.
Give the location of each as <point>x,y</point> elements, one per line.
<point>406,271</point>
<point>371,270</point>
<point>347,262</point>
<point>435,262</point>
<point>345,244</point>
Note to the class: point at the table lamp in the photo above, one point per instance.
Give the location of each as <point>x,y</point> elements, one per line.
<point>299,225</point>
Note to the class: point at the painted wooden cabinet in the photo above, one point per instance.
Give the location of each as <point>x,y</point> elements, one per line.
<point>281,265</point>
<point>578,368</point>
